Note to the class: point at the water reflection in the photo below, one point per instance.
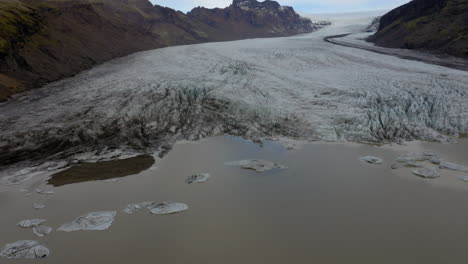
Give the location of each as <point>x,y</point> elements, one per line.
<point>102,170</point>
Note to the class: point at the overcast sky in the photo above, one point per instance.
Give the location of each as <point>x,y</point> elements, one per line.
<point>306,6</point>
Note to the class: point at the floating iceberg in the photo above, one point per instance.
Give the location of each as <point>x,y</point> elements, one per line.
<point>132,208</point>
<point>168,208</point>
<point>42,230</point>
<point>371,159</point>
<point>198,178</point>
<point>38,206</point>
<point>429,173</point>
<point>452,166</point>
<point>30,223</point>
<point>417,156</point>
<point>90,221</point>
<point>24,249</point>
<point>256,165</point>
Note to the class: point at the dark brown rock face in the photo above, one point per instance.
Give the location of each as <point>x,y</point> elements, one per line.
<point>434,25</point>
<point>59,39</point>
<point>250,18</point>
<point>47,40</point>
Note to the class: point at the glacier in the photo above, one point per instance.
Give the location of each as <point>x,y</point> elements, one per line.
<point>297,87</point>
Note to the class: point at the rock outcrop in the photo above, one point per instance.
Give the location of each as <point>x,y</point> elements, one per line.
<point>44,41</point>
<point>251,19</point>
<point>439,26</point>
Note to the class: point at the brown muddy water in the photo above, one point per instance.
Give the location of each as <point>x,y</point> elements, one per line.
<point>327,207</point>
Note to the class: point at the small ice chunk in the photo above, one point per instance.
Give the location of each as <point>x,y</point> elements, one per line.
<point>198,178</point>
<point>417,156</point>
<point>435,160</point>
<point>406,165</point>
<point>256,165</point>
<point>452,166</point>
<point>412,165</point>
<point>132,208</point>
<point>40,191</point>
<point>371,159</point>
<point>42,230</point>
<point>167,208</point>
<point>38,206</point>
<point>24,249</point>
<point>429,173</point>
<point>463,178</point>
<point>28,223</point>
<point>112,180</point>
<point>90,221</point>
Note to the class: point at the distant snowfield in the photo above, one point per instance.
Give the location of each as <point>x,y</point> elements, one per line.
<point>299,87</point>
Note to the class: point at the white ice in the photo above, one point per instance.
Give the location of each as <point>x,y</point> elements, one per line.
<point>297,86</point>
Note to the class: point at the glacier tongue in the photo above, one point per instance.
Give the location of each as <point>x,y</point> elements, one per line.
<point>299,87</point>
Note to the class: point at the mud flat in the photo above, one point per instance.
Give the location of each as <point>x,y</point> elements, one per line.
<point>326,207</point>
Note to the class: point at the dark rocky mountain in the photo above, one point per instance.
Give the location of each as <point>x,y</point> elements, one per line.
<point>439,26</point>
<point>250,18</point>
<point>46,40</point>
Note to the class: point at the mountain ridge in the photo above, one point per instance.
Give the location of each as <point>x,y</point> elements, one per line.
<point>439,26</point>
<point>47,40</point>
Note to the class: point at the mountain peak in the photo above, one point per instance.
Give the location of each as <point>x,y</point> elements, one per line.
<point>255,4</point>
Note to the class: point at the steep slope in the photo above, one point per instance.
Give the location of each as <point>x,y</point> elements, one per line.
<point>50,40</point>
<point>434,25</point>
<point>250,18</point>
<point>47,40</point>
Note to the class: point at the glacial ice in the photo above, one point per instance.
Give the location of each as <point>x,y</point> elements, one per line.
<point>429,173</point>
<point>256,165</point>
<point>371,159</point>
<point>156,208</point>
<point>24,249</point>
<point>406,165</point>
<point>91,221</point>
<point>133,208</point>
<point>167,208</point>
<point>463,178</point>
<point>42,230</point>
<point>28,223</point>
<point>297,87</point>
<point>417,156</point>
<point>38,206</point>
<point>452,166</point>
<point>198,178</point>
<point>40,191</point>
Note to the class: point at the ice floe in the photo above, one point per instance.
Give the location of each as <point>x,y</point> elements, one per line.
<point>417,156</point>
<point>256,165</point>
<point>24,249</point>
<point>198,178</point>
<point>90,221</point>
<point>429,173</point>
<point>168,208</point>
<point>371,159</point>
<point>28,223</point>
<point>42,230</point>
<point>40,191</point>
<point>452,166</point>
<point>135,207</point>
<point>463,178</point>
<point>38,206</point>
